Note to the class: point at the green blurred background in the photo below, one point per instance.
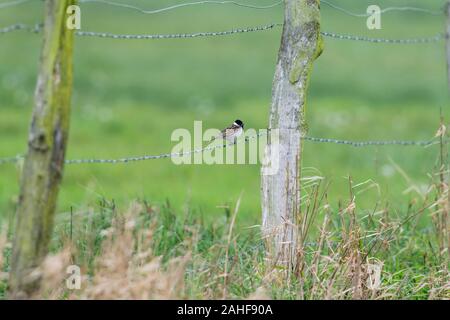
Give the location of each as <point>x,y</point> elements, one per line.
<point>129,95</point>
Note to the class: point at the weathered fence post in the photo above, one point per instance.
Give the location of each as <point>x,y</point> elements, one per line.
<point>301,44</point>
<point>44,161</point>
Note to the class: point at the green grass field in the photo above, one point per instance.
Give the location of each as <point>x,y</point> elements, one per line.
<point>130,95</point>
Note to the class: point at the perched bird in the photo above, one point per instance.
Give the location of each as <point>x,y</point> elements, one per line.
<point>232,132</point>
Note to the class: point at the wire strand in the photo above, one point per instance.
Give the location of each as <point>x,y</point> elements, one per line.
<point>128,6</point>
<point>21,26</point>
<point>176,35</point>
<point>38,28</point>
<point>436,38</point>
<point>11,159</point>
<point>235,3</point>
<point>177,6</point>
<point>385,10</point>
<point>356,144</point>
<point>370,143</point>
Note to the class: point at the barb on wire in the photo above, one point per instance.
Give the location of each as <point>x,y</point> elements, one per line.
<point>160,156</point>
<point>11,159</point>
<point>389,9</point>
<point>175,35</point>
<point>436,38</point>
<point>38,28</point>
<point>138,158</point>
<point>358,144</point>
<point>177,6</point>
<point>21,26</point>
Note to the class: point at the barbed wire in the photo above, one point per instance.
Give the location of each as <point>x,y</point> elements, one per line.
<point>181,5</point>
<point>138,158</point>
<point>177,35</point>
<point>235,3</point>
<point>359,144</point>
<point>356,144</point>
<point>21,26</point>
<point>11,159</point>
<point>388,9</point>
<point>38,28</point>
<point>160,156</point>
<point>436,38</point>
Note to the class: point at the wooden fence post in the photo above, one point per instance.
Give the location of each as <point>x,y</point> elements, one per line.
<point>44,161</point>
<point>301,44</point>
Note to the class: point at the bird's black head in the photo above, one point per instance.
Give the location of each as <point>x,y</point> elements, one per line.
<point>239,123</point>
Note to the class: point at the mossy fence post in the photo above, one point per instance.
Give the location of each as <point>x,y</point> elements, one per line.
<point>44,162</point>
<point>301,45</point>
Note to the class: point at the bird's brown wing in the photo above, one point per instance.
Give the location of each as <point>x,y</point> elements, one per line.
<point>229,131</point>
<point>226,132</point>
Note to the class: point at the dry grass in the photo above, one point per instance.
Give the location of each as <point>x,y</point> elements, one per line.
<point>3,245</point>
<point>125,268</point>
<point>342,253</point>
<point>128,269</point>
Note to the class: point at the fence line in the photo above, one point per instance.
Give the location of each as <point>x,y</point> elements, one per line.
<point>177,35</point>
<point>38,28</point>
<point>334,6</point>
<point>11,159</point>
<point>21,26</point>
<point>371,143</point>
<point>436,38</point>
<point>235,3</point>
<point>181,5</point>
<point>172,7</point>
<point>388,9</point>
<point>356,144</point>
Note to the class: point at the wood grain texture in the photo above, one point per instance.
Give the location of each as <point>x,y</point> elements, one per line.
<point>301,45</point>
<point>44,162</point>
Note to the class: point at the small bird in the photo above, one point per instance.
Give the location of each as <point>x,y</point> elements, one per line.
<point>232,132</point>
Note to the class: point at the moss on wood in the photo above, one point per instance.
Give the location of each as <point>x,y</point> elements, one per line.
<point>44,162</point>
